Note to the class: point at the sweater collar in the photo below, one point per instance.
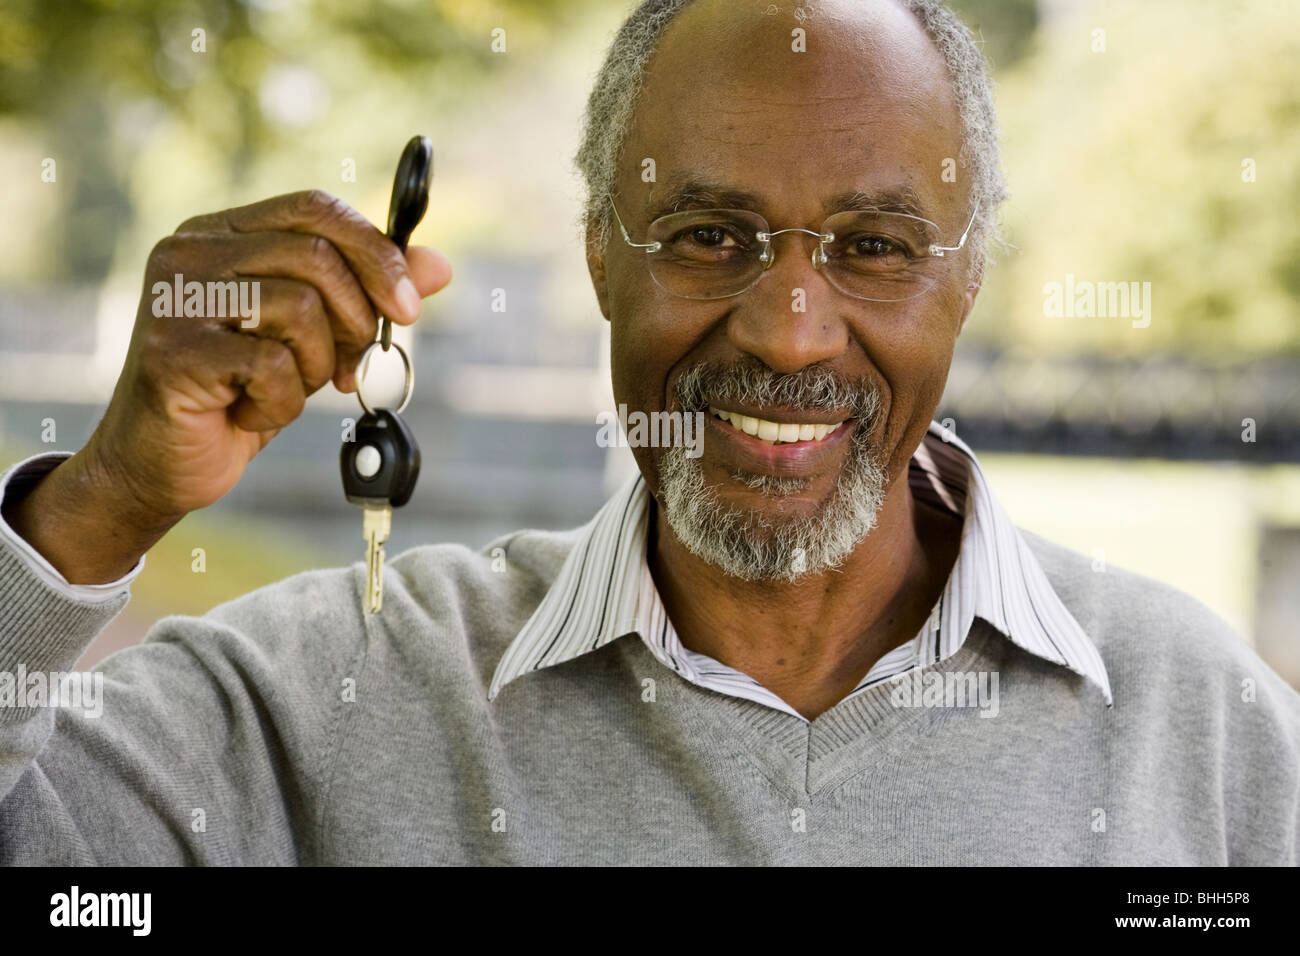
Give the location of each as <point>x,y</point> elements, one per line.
<point>604,589</point>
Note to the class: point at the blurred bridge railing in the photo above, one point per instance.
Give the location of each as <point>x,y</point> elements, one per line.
<point>1160,406</point>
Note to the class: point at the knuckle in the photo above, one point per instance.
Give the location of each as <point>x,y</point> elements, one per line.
<point>194,223</point>
<point>155,339</point>
<point>323,255</point>
<point>317,203</point>
<point>151,360</point>
<point>275,360</point>
<point>166,253</point>
<point>306,300</point>
<point>157,360</point>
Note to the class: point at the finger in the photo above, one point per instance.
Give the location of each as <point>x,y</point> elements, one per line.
<point>286,255</point>
<point>375,259</point>
<point>430,270</point>
<point>267,372</point>
<point>293,312</point>
<point>254,380</point>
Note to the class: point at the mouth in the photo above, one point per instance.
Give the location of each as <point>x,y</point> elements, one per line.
<point>740,441</point>
<point>788,432</point>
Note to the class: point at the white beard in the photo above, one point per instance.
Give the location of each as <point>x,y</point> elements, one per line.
<point>758,544</point>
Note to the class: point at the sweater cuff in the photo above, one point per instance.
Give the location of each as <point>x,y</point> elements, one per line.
<point>18,481</point>
<point>41,629</point>
<point>46,623</point>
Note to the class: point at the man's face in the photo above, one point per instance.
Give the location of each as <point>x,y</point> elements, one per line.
<point>868,108</point>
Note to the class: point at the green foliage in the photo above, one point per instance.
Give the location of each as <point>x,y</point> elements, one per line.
<point>1127,165</point>
<point>1005,28</point>
<point>108,87</point>
<point>1124,165</point>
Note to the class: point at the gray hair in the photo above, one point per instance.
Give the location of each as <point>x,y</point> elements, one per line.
<point>619,83</point>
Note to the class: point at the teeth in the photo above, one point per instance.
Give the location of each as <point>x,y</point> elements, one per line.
<point>773,432</point>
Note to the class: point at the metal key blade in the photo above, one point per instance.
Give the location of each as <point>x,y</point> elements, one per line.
<point>377,522</point>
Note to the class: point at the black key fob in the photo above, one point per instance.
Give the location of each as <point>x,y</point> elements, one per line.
<point>382,462</point>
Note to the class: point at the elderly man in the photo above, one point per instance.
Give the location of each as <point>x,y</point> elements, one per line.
<point>821,641</point>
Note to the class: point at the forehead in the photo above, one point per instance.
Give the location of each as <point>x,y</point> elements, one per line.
<point>868,106</point>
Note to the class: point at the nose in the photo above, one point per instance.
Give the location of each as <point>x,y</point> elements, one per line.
<point>788,319</point>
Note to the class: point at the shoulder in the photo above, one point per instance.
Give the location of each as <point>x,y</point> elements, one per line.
<point>1116,601</point>
<point>1196,709</point>
<point>1161,641</point>
<point>307,623</point>
<point>515,569</point>
<point>482,595</point>
<point>477,600</point>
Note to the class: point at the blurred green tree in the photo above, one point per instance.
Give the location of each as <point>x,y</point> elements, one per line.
<point>1005,28</point>
<point>1154,142</point>
<point>97,80</point>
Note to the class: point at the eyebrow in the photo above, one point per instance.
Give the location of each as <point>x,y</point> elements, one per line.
<point>702,194</point>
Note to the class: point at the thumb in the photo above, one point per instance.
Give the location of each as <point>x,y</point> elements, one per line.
<point>430,270</point>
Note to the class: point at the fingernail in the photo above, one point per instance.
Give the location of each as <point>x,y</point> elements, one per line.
<point>409,297</point>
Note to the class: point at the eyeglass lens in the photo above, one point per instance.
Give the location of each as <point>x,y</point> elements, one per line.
<point>713,254</point>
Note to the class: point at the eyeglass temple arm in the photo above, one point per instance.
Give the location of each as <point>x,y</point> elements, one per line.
<point>940,250</point>
<point>651,246</point>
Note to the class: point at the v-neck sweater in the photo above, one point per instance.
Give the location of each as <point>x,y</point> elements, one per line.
<point>286,727</point>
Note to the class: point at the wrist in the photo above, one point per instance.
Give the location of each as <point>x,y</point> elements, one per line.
<point>84,522</point>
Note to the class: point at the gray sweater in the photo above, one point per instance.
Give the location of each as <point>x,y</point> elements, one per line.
<point>285,728</point>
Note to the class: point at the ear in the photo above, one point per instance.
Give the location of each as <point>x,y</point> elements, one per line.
<point>968,297</point>
<point>596,267</point>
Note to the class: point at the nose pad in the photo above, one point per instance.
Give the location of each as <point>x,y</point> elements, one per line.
<point>785,339</point>
<point>766,257</point>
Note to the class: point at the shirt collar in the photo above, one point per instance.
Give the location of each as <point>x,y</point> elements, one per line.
<point>601,593</point>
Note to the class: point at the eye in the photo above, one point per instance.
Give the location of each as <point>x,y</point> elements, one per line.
<point>712,235</point>
<point>877,247</point>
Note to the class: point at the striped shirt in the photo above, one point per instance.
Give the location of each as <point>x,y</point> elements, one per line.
<point>605,591</point>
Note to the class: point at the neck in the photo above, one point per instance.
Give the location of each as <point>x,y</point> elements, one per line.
<point>811,641</point>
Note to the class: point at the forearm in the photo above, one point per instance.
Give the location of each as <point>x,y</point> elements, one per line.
<point>83,521</point>
<point>42,632</point>
<point>207,743</point>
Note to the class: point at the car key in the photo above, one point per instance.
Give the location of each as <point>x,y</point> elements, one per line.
<point>380,467</point>
<point>381,463</point>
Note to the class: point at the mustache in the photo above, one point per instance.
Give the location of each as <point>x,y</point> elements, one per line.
<point>750,382</point>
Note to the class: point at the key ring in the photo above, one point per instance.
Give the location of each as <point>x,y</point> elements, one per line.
<point>408,386</point>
